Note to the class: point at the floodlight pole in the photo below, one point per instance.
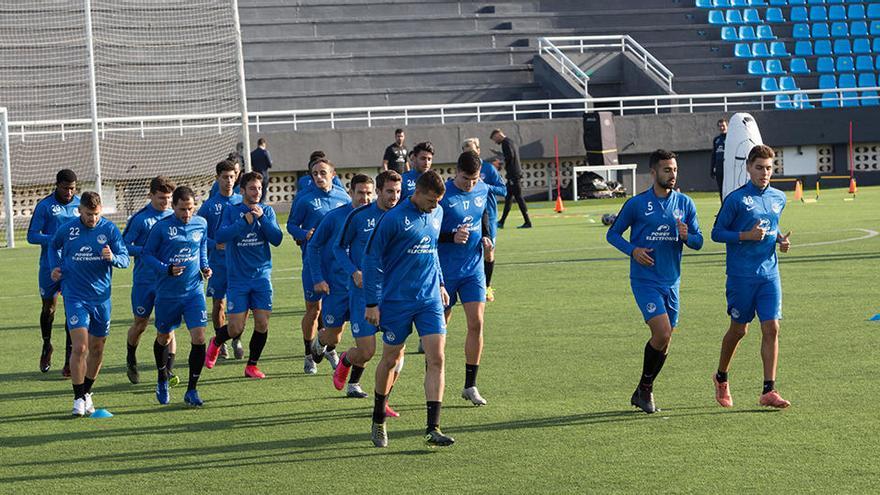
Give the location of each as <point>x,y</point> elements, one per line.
<point>239,54</point>
<point>96,147</point>
<point>7,177</point>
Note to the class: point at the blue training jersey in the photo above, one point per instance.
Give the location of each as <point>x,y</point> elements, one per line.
<point>48,215</point>
<point>135,236</point>
<point>652,224</point>
<point>320,258</point>
<point>215,190</point>
<point>408,186</point>
<point>489,174</point>
<point>463,208</point>
<point>172,242</point>
<point>306,182</point>
<point>76,249</point>
<point>309,208</point>
<point>212,211</point>
<point>741,210</point>
<point>352,241</point>
<point>400,261</point>
<point>248,255</point>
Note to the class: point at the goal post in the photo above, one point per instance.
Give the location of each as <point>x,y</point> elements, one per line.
<point>7,179</point>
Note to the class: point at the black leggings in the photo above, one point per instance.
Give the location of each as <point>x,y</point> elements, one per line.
<point>514,191</point>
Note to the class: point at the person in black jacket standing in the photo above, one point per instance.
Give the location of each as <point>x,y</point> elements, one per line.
<point>513,171</point>
<point>261,162</point>
<point>717,170</point>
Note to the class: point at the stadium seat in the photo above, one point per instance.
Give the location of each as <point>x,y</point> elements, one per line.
<point>870,99</point>
<point>874,11</point>
<point>757,3</point>
<point>818,14</point>
<point>864,63</point>
<point>765,33</point>
<point>837,13</point>
<point>716,17</point>
<point>816,2</point>
<point>779,3</point>
<point>838,30</point>
<point>861,45</point>
<point>845,64</point>
<point>856,12</point>
<point>878,61</point>
<point>822,47</point>
<point>858,28</point>
<point>867,80</point>
<point>830,100</point>
<point>799,66</point>
<point>733,17</point>
<point>820,30</point>
<point>836,1</point>
<point>875,28</point>
<point>800,32</point>
<point>784,102</point>
<point>728,33</point>
<point>799,14</point>
<point>777,49</point>
<point>704,4</point>
<point>742,50</point>
<point>774,14</point>
<point>786,83</point>
<point>846,81</point>
<point>876,47</point>
<point>739,3</point>
<point>803,48</point>
<point>721,3</point>
<point>769,84</point>
<point>760,50</point>
<point>827,81</point>
<point>842,47</point>
<point>774,67</point>
<point>747,33</point>
<point>797,2</point>
<point>850,99</point>
<point>825,64</point>
<point>751,16</point>
<point>802,101</point>
<point>756,68</point>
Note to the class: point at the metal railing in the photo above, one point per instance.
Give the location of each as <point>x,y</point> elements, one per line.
<point>555,47</point>
<point>566,65</point>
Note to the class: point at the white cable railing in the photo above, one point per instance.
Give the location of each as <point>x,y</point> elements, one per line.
<point>566,65</point>
<point>334,118</point>
<point>555,46</point>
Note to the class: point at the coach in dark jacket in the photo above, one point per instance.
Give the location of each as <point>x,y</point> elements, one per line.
<point>513,171</point>
<point>261,162</point>
<point>717,170</point>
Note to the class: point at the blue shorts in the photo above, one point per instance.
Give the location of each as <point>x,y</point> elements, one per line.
<point>189,308</point>
<point>90,315</point>
<point>397,318</point>
<point>746,297</point>
<point>357,305</point>
<point>143,298</point>
<point>217,283</point>
<point>48,287</point>
<point>309,293</point>
<point>257,294</point>
<point>469,289</point>
<point>334,309</point>
<point>653,301</point>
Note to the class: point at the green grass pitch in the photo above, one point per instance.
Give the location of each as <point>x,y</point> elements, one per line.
<point>563,346</point>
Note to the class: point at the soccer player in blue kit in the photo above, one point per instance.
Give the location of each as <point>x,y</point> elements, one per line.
<point>422,159</point>
<point>309,208</point>
<point>143,289</point>
<point>661,221</point>
<point>349,252</point>
<point>82,255</point>
<point>212,211</point>
<point>403,285</point>
<point>306,182</point>
<point>748,224</point>
<point>177,250</point>
<point>463,236</point>
<point>53,210</point>
<point>247,230</point>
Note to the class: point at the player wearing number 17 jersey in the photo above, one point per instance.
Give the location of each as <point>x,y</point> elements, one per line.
<point>661,221</point>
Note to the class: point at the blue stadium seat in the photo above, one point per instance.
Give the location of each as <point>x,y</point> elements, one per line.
<point>756,68</point>
<point>825,64</point>
<point>850,99</point>
<point>820,30</point>
<point>876,47</point>
<point>757,3</point>
<point>704,4</point>
<point>747,33</point>
<point>784,102</point>
<point>822,47</point>
<point>870,99</point>
<point>816,2</point>
<point>864,63</point>
<point>751,16</point>
<point>777,49</point>
<point>835,1</point>
<point>716,17</point>
<point>818,14</point>
<point>799,66</point>
<point>774,14</point>
<point>874,11</point>
<point>867,80</point>
<point>838,30</point>
<point>739,3</point>
<point>721,3</point>
<point>786,83</point>
<point>800,32</point>
<point>797,2</point>
<point>779,3</point>
<point>846,81</point>
<point>875,28</point>
<point>769,84</point>
<point>878,61</point>
<point>845,64</point>
<point>830,100</point>
<point>842,47</point>
<point>765,33</point>
<point>742,50</point>
<point>760,50</point>
<point>856,12</point>
<point>858,28</point>
<point>728,33</point>
<point>827,81</point>
<point>733,17</point>
<point>861,45</point>
<point>803,48</point>
<point>799,14</point>
<point>774,67</point>
<point>801,101</point>
<point>837,13</point>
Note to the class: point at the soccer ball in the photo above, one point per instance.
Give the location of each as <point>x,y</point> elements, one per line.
<point>608,219</point>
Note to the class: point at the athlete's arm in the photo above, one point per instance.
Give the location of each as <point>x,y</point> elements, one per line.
<point>120,253</point>
<point>35,233</point>
<point>130,235</point>
<point>315,246</point>
<point>373,274</point>
<point>615,232</point>
<point>694,235</point>
<point>343,244</point>
<point>203,254</point>
<point>723,231</point>
<point>150,252</point>
<point>296,218</point>
<point>204,212</point>
<point>493,180</point>
<point>269,227</point>
<point>56,243</point>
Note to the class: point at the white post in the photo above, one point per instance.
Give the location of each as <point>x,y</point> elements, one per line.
<point>7,177</point>
<point>239,54</point>
<point>96,146</point>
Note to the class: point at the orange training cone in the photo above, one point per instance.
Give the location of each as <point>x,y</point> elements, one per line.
<point>559,207</point>
<point>853,188</point>
<point>798,191</point>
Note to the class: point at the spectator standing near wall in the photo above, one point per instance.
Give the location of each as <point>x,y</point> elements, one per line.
<point>261,162</point>
<point>717,169</point>
<point>395,154</point>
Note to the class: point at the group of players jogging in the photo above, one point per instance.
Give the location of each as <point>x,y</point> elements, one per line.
<point>386,255</point>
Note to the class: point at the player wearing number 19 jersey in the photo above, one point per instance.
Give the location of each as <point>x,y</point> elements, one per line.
<point>661,221</point>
